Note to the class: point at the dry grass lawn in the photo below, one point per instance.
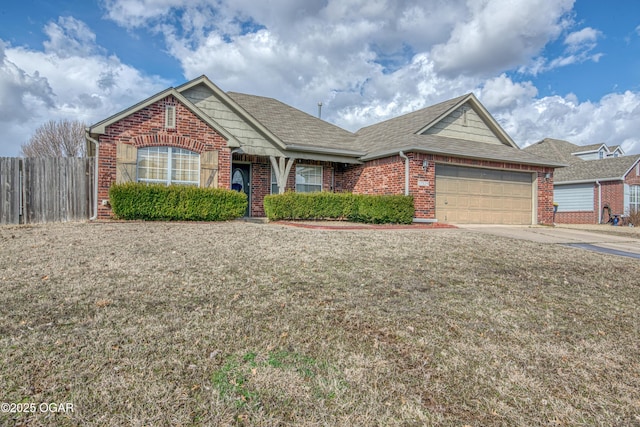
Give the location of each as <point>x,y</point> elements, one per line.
<point>260,324</point>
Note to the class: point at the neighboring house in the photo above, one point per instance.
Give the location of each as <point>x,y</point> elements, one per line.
<point>598,151</point>
<point>597,181</point>
<point>453,158</point>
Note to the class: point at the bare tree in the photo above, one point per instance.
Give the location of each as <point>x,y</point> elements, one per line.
<point>64,138</point>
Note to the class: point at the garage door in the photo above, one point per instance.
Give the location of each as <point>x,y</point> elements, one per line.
<point>483,196</point>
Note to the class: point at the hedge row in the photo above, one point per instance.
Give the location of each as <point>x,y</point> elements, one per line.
<point>157,202</point>
<point>346,206</point>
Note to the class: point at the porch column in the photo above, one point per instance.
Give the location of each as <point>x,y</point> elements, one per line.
<point>282,168</point>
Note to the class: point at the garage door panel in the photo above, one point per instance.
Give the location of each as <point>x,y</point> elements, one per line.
<point>473,195</point>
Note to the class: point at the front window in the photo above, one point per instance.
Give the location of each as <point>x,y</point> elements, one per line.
<point>634,198</point>
<point>274,183</point>
<point>308,178</point>
<point>168,165</point>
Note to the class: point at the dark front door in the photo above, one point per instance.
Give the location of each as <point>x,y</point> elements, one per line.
<point>241,181</point>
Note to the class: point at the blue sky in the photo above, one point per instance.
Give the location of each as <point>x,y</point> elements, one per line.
<point>544,68</point>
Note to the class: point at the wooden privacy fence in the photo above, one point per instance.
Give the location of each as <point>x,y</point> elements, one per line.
<point>51,189</point>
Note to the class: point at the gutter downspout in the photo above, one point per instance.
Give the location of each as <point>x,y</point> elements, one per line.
<point>599,201</point>
<point>406,172</point>
<point>95,177</point>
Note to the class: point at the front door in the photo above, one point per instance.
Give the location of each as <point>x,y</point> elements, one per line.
<point>241,181</point>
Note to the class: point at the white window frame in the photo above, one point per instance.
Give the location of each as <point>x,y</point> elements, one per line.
<point>634,198</point>
<point>171,166</point>
<point>300,179</point>
<point>170,117</point>
<point>274,182</point>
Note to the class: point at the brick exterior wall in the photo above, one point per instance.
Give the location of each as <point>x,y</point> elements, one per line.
<point>386,176</point>
<point>145,128</point>
<point>612,195</point>
<point>261,178</point>
<point>633,177</point>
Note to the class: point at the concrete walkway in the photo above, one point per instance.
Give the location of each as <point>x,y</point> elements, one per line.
<point>585,239</point>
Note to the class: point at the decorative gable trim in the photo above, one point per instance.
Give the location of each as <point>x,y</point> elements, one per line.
<point>235,107</point>
<point>636,166</point>
<point>170,117</point>
<point>100,127</point>
<point>473,103</point>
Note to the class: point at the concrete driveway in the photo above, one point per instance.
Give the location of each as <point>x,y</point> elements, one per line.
<point>592,240</point>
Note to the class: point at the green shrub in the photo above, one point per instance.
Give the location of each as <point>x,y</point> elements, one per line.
<point>383,209</point>
<point>157,202</point>
<point>374,209</point>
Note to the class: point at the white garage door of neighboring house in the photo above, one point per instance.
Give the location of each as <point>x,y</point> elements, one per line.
<point>574,197</point>
<point>483,196</point>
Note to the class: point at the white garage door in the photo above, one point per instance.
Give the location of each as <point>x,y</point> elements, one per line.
<point>483,196</point>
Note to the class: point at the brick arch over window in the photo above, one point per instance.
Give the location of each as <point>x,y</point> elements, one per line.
<point>164,140</point>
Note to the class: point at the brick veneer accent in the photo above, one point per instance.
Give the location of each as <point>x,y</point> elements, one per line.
<point>145,128</point>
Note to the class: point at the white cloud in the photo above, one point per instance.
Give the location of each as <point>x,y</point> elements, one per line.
<point>20,92</point>
<point>135,13</point>
<point>586,38</point>
<point>610,120</point>
<point>69,37</point>
<point>497,35</point>
<point>501,93</point>
<point>51,84</point>
<point>579,46</point>
<point>366,60</point>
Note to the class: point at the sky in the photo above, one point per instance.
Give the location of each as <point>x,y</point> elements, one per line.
<point>566,69</point>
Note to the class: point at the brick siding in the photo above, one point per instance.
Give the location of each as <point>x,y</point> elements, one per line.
<point>145,128</point>
<point>386,176</point>
<point>612,195</point>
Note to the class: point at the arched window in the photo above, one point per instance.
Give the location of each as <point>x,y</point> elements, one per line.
<point>168,165</point>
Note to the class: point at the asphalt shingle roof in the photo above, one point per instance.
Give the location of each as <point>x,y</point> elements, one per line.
<point>297,128</point>
<point>292,126</point>
<point>578,169</point>
<point>606,169</point>
<point>446,146</point>
<point>393,133</point>
<point>555,149</point>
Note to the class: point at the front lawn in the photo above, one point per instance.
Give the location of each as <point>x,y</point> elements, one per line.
<point>263,324</point>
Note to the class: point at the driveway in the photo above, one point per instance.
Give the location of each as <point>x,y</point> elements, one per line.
<point>617,244</point>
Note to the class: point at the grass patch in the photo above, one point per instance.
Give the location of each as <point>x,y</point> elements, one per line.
<point>259,324</point>
<point>251,382</point>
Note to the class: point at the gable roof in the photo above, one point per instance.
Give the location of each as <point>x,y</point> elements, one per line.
<point>406,133</point>
<point>591,148</point>
<point>555,149</point>
<point>607,169</point>
<point>227,100</point>
<point>446,146</point>
<point>580,170</point>
<point>100,127</point>
<point>393,132</point>
<point>299,133</point>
